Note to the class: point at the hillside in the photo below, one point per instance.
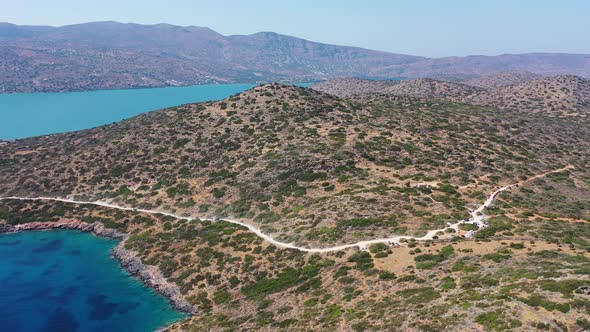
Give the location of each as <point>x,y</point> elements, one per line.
<point>419,88</point>
<point>109,55</point>
<point>429,88</point>
<point>315,170</point>
<point>351,86</point>
<point>307,167</point>
<point>559,95</point>
<point>503,79</point>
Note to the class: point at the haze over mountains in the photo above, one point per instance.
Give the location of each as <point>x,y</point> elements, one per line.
<point>105,55</point>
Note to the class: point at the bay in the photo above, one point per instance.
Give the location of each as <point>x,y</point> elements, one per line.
<point>67,281</point>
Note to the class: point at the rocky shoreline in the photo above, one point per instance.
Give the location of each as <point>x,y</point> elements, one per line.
<point>128,259</point>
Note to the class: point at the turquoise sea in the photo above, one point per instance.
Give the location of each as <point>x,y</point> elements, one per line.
<point>66,281</point>
<point>33,114</point>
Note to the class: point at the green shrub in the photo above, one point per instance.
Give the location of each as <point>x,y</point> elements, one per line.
<point>385,275</point>
<point>517,245</point>
<point>428,261</point>
<point>419,295</point>
<point>493,321</point>
<point>378,247</point>
<point>363,260</point>
<point>221,296</point>
<point>218,192</point>
<point>310,177</point>
<point>536,300</point>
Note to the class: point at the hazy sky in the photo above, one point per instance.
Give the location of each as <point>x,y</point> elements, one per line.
<point>420,27</point>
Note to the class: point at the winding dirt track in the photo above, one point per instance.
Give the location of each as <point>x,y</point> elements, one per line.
<point>477,218</point>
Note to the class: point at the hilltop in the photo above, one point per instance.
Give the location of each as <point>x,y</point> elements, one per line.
<point>352,86</point>
<point>419,88</point>
<point>317,170</point>
<point>564,95</point>
<point>560,95</point>
<point>43,58</point>
<point>503,79</point>
<point>429,88</point>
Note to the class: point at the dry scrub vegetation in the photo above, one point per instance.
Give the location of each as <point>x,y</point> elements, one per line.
<point>319,170</point>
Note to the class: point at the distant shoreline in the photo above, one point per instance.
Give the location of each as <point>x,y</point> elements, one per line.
<point>104,89</point>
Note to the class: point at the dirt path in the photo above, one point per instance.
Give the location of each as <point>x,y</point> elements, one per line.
<point>477,218</point>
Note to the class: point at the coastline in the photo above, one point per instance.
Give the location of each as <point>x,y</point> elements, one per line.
<point>128,260</point>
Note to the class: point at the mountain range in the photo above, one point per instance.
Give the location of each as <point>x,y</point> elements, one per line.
<point>108,55</point>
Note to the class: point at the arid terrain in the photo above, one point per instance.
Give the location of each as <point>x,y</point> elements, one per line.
<point>503,79</point>
<point>517,91</point>
<point>318,170</point>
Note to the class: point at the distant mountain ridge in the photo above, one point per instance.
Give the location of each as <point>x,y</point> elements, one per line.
<point>106,55</point>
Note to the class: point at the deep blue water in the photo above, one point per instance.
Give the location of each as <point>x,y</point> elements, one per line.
<point>67,281</point>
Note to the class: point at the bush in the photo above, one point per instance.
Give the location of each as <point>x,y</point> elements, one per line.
<point>384,275</point>
<point>382,254</point>
<point>367,222</point>
<point>419,295</point>
<point>378,247</point>
<point>221,296</point>
<point>492,320</point>
<point>517,245</point>
<point>310,177</point>
<point>180,189</point>
<point>497,256</point>
<point>539,301</point>
<point>583,323</point>
<point>363,260</point>
<point>218,192</point>
<point>428,261</point>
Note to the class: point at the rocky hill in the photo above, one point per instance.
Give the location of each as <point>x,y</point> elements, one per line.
<point>316,170</point>
<point>503,79</point>
<point>560,95</point>
<point>352,86</point>
<point>107,55</point>
<point>422,88</point>
<point>308,167</point>
<point>429,88</point>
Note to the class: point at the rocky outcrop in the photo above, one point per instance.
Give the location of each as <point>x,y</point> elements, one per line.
<point>152,277</point>
<point>97,229</point>
<point>62,224</point>
<point>6,228</point>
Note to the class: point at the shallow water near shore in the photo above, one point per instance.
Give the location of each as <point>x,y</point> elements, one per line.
<point>67,281</point>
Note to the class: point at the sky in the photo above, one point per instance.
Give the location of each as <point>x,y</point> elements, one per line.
<point>432,28</point>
